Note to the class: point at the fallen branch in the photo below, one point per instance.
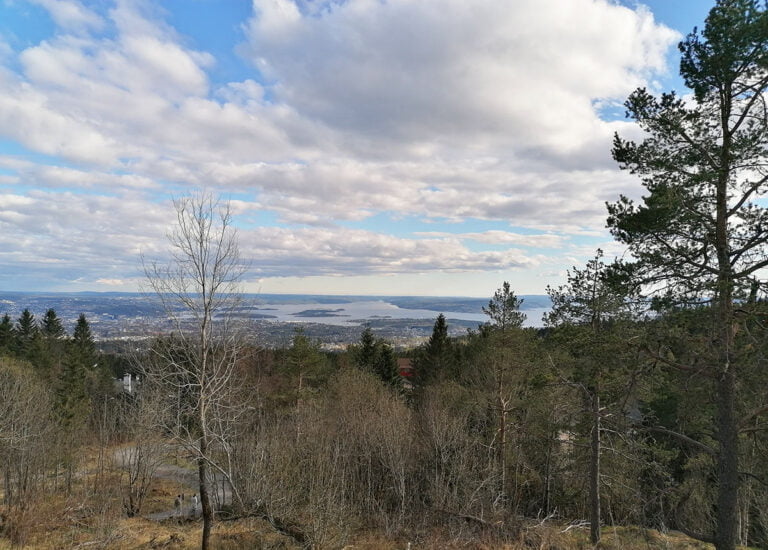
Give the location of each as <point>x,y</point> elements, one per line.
<point>577,524</point>
<point>548,517</point>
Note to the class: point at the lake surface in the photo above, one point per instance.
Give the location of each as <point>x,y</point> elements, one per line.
<point>358,312</point>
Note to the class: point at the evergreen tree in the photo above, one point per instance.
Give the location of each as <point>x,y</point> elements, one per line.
<point>701,231</point>
<point>438,341</point>
<point>72,395</point>
<point>582,309</point>
<point>305,361</point>
<point>364,353</point>
<point>71,409</point>
<point>504,309</point>
<point>385,366</point>
<point>509,366</point>
<point>49,347</point>
<point>593,296</point>
<point>83,346</point>
<point>26,325</point>
<point>51,326</point>
<point>435,359</point>
<point>81,354</point>
<point>6,335</point>
<point>376,356</point>
<point>26,330</point>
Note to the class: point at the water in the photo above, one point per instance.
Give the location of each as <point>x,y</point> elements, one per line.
<point>358,312</point>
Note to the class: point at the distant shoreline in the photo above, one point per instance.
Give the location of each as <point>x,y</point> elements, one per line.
<point>333,318</point>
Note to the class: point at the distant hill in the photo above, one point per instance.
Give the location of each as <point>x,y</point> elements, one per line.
<point>465,305</point>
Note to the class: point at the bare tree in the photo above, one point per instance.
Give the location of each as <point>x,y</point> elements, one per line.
<point>139,460</point>
<point>199,288</point>
<point>25,435</point>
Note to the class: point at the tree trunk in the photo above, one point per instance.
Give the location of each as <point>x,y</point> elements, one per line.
<point>594,471</point>
<point>548,475</point>
<point>502,450</point>
<point>205,502</point>
<point>727,464</point>
<point>727,424</point>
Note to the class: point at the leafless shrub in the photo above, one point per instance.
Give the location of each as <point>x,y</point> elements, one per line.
<point>458,471</point>
<point>25,451</point>
<point>341,460</point>
<point>145,451</point>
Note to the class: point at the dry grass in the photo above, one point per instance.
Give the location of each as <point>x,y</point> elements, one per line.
<point>549,537</point>
<point>139,533</point>
<point>92,517</point>
<point>618,538</point>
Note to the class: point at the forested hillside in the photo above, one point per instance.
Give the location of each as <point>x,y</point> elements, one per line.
<point>494,433</point>
<point>638,411</point>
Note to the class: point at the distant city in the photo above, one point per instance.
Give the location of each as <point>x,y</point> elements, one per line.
<point>271,319</point>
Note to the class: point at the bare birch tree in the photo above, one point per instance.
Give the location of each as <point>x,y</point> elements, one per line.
<point>200,287</point>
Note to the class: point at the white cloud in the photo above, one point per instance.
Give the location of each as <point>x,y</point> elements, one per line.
<point>26,116</point>
<point>44,176</point>
<point>71,15</point>
<point>436,110</point>
<point>311,252</point>
<point>468,75</point>
<point>111,282</point>
<point>5,50</point>
<point>106,235</point>
<point>502,238</point>
<point>84,232</point>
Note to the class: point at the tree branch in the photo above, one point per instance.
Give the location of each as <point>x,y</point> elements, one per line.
<point>681,437</point>
<point>751,415</point>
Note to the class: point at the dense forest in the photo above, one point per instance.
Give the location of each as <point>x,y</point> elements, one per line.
<point>590,421</point>
<point>640,404</point>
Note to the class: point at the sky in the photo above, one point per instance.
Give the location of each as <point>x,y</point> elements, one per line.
<point>376,147</point>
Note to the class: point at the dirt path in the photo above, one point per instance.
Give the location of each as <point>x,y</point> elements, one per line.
<point>186,478</point>
<point>181,514</point>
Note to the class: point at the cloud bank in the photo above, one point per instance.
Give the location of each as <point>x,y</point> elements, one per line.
<point>368,137</point>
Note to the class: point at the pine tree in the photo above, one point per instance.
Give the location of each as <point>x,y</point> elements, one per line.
<point>507,356</point>
<point>305,361</point>
<point>701,231</point>
<point>504,309</point>
<point>584,309</point>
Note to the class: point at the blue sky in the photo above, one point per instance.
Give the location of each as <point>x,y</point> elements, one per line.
<point>434,147</point>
